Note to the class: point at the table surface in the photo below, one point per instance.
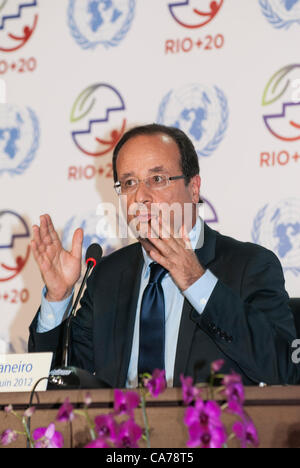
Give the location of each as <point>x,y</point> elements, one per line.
<point>274,410</point>
<point>255,396</point>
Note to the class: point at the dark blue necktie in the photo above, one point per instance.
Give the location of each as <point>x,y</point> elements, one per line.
<point>152,323</point>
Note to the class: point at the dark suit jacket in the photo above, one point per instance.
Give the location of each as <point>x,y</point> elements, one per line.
<point>247,320</point>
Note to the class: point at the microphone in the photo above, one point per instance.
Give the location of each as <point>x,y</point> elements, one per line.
<point>67,376</point>
<point>92,257</point>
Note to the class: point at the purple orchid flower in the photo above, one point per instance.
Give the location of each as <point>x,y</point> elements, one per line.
<point>128,435</point>
<point>234,389</point>
<point>65,413</point>
<point>206,436</point>
<point>106,427</point>
<point>234,407</point>
<point>126,402</point>
<point>88,399</point>
<point>205,412</point>
<point>47,437</point>
<point>157,383</point>
<point>30,412</point>
<point>8,409</point>
<point>204,424</point>
<point>217,366</point>
<point>246,433</point>
<point>98,443</point>
<point>8,437</point>
<point>189,392</point>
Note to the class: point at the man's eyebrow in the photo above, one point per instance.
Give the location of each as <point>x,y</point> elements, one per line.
<point>158,169</point>
<point>153,170</point>
<point>127,174</point>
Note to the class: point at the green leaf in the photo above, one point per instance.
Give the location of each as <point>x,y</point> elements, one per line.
<point>277,85</point>
<point>84,103</point>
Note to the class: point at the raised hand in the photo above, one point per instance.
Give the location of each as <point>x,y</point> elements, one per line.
<point>59,268</point>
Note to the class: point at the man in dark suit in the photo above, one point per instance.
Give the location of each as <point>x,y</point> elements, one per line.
<point>220,298</point>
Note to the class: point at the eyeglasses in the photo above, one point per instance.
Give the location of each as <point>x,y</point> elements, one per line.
<point>154,182</point>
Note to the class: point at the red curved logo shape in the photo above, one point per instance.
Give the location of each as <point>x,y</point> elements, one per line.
<point>23,39</point>
<point>206,16</point>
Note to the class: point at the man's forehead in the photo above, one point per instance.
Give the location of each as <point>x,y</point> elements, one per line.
<point>158,144</point>
<point>148,153</point>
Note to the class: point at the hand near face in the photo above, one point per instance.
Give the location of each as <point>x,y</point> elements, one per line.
<point>175,253</point>
<point>155,155</point>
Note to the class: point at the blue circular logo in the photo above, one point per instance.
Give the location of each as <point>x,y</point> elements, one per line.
<point>201,112</point>
<point>278,228</point>
<point>281,14</point>
<point>100,22</point>
<point>19,138</point>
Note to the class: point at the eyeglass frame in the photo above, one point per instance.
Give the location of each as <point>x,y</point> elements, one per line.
<point>117,185</point>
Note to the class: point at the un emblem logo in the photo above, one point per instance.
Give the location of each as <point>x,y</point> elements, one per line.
<point>100,22</point>
<point>19,138</point>
<point>278,228</point>
<point>281,14</point>
<point>201,112</point>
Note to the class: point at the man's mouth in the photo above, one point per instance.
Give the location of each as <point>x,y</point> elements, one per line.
<point>146,217</point>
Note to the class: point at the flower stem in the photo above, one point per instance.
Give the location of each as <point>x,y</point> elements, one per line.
<point>90,423</point>
<point>145,418</point>
<point>27,433</point>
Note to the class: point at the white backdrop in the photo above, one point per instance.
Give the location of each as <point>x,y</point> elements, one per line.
<point>79,72</point>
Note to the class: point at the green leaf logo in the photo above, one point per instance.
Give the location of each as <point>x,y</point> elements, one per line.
<point>278,85</point>
<point>84,103</point>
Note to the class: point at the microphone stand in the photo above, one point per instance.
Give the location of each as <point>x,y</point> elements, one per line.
<point>66,349</point>
<point>68,376</point>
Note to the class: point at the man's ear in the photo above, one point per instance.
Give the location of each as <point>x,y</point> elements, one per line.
<point>195,185</point>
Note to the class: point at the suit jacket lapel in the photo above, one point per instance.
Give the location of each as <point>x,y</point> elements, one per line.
<point>206,246</point>
<point>205,254</point>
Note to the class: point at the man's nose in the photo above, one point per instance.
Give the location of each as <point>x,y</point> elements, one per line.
<point>143,193</point>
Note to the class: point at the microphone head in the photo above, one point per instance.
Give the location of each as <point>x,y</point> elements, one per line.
<point>93,254</point>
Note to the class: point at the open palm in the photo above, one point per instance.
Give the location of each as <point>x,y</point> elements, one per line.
<point>59,268</point>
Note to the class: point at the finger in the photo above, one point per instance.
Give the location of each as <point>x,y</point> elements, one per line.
<point>44,231</point>
<point>185,237</point>
<point>43,226</point>
<point>37,239</point>
<point>35,251</point>
<point>165,223</point>
<point>161,245</point>
<point>40,259</point>
<point>159,229</point>
<point>166,234</point>
<point>147,244</point>
<point>51,229</point>
<point>77,244</point>
<point>158,258</point>
<point>36,234</point>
